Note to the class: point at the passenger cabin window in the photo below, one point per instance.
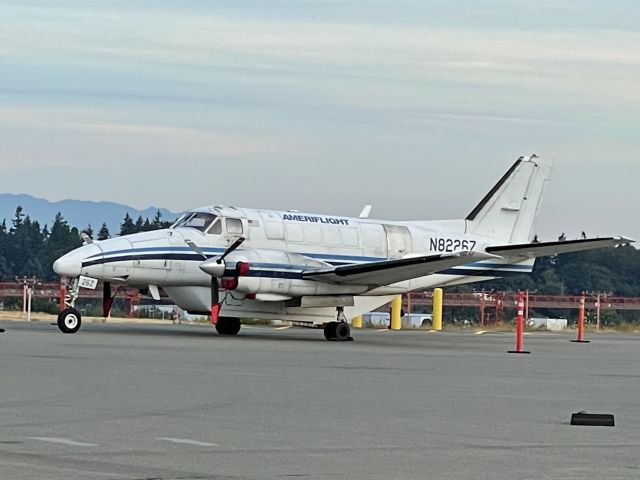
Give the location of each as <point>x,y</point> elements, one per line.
<point>349,236</point>
<point>198,220</point>
<point>234,226</point>
<point>330,235</point>
<point>294,232</point>
<point>312,234</point>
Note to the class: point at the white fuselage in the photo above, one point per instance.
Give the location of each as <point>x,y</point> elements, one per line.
<point>278,246</point>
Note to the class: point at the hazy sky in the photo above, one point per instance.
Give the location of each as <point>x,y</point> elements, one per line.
<point>417,107</point>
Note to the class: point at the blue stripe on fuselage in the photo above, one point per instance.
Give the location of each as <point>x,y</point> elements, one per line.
<point>331,258</point>
<point>215,250</point>
<point>275,270</point>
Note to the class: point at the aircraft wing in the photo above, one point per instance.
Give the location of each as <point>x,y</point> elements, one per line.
<point>387,272</point>
<point>533,250</point>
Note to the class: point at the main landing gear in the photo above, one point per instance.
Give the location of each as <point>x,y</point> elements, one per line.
<point>228,326</point>
<point>70,320</point>
<point>224,325</point>
<point>339,330</point>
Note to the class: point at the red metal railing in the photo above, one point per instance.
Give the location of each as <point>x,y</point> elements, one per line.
<point>510,300</point>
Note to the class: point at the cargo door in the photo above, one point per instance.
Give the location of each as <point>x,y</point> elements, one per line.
<point>374,240</point>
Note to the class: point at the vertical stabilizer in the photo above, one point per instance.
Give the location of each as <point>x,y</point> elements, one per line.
<point>508,212</point>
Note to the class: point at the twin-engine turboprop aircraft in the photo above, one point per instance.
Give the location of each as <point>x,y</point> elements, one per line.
<point>317,270</point>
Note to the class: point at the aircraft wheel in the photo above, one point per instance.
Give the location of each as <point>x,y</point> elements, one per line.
<point>330,330</point>
<point>342,332</point>
<point>228,326</point>
<point>69,320</point>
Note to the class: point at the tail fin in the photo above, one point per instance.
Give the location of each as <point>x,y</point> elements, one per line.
<point>509,210</point>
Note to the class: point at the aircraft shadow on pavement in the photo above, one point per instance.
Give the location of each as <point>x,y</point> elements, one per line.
<point>197,331</point>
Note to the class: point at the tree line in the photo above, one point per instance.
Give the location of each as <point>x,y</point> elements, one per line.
<point>27,249</point>
<point>613,270</point>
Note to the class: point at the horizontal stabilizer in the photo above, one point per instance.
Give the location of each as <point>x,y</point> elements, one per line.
<point>388,272</point>
<point>533,250</point>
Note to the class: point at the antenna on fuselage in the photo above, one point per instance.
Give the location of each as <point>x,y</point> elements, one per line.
<point>366,211</point>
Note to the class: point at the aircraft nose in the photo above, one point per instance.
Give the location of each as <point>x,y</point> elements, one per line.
<point>70,265</point>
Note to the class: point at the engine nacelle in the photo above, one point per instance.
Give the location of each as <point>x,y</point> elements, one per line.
<point>278,273</point>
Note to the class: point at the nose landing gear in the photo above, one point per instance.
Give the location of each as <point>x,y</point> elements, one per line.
<point>70,320</point>
<point>339,330</point>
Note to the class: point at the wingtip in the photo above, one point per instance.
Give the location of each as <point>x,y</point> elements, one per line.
<point>625,240</point>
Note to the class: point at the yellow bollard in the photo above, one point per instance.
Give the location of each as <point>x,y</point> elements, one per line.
<point>438,295</point>
<point>357,322</point>
<point>396,313</point>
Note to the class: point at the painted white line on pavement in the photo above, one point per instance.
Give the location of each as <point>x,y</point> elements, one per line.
<point>63,441</point>
<point>186,441</point>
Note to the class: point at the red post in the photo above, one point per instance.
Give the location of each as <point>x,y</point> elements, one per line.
<point>63,293</point>
<point>519,325</point>
<point>581,320</point>
<point>580,338</point>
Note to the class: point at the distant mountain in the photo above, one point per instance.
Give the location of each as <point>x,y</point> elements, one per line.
<point>77,213</point>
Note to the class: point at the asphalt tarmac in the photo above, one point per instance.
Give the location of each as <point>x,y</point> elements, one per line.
<point>181,402</point>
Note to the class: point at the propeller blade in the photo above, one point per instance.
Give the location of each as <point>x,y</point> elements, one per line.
<point>215,291</point>
<point>229,250</point>
<point>196,248</point>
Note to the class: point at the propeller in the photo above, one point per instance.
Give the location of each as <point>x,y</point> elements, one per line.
<point>239,241</point>
<point>215,266</point>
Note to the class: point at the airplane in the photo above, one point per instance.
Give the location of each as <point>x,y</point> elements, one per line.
<point>317,270</point>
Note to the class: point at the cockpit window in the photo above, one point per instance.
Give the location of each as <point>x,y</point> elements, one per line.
<point>216,229</point>
<point>180,219</point>
<point>198,220</point>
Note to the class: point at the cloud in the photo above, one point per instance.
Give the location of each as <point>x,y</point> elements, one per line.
<point>314,103</point>
<point>81,126</point>
<point>535,60</point>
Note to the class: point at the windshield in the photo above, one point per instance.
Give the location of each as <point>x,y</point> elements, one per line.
<point>198,220</point>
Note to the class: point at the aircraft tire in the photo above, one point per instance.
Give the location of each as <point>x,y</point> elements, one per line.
<point>330,330</point>
<point>228,326</point>
<point>342,332</point>
<point>69,320</point>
